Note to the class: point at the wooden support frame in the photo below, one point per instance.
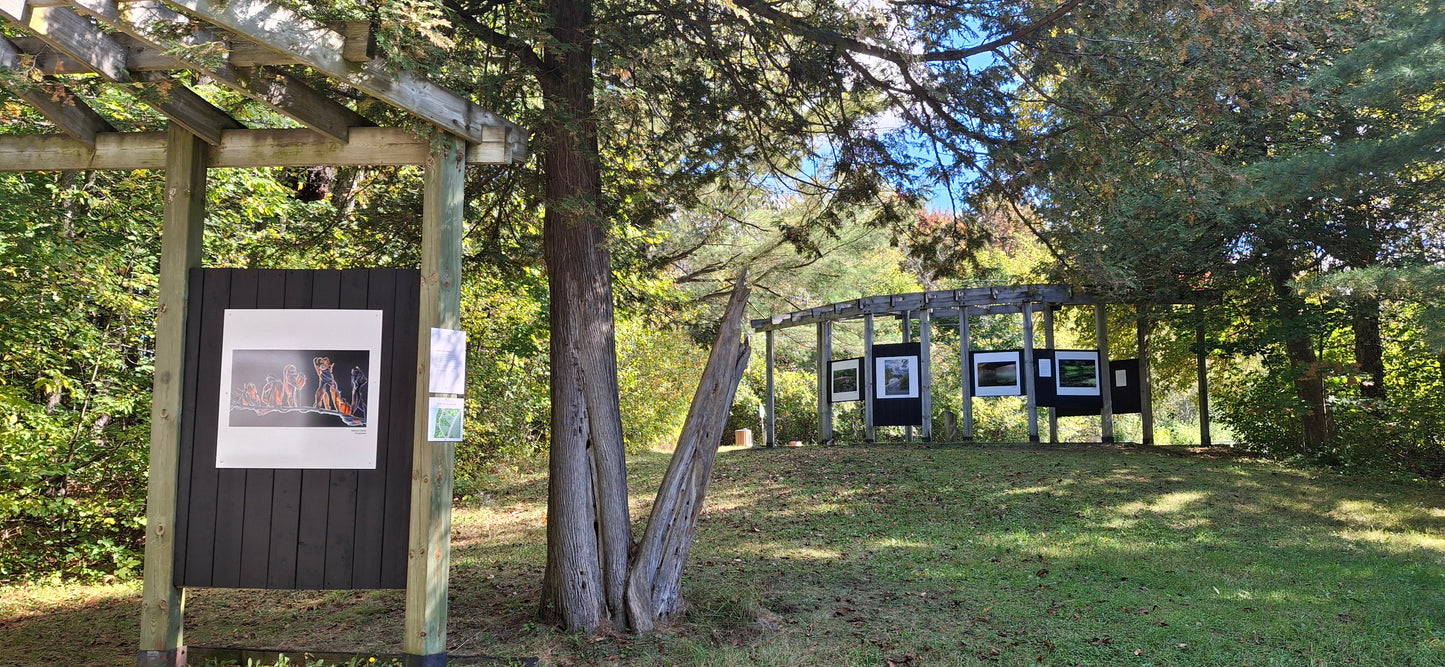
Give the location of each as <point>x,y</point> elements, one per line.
<point>162,603</point>
<point>825,403</point>
<point>1049,345</point>
<point>1101,333</point>
<point>424,639</point>
<point>965,347</point>
<point>870,430</point>
<point>1029,370</point>
<point>771,406</point>
<point>1202,369</point>
<point>1146,386</point>
<point>925,374</point>
<point>907,336</point>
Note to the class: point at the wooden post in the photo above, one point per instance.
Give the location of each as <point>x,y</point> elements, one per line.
<point>772,406</point>
<point>965,345</point>
<point>429,550</point>
<point>907,338</point>
<point>825,404</point>
<point>1049,345</point>
<point>1030,397</point>
<point>1200,361</point>
<point>870,432</point>
<point>162,603</point>
<point>1146,389</point>
<point>925,374</point>
<point>1101,333</point>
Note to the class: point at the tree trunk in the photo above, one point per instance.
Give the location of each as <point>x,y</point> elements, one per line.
<point>588,530</point>
<point>654,588</point>
<point>1317,421</point>
<point>1369,348</point>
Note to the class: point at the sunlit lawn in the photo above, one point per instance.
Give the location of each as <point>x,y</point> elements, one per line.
<point>906,555</point>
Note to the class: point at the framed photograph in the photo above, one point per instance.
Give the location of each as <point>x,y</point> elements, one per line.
<point>998,373</point>
<point>897,377</point>
<point>846,380</point>
<point>1077,372</point>
<point>296,389</point>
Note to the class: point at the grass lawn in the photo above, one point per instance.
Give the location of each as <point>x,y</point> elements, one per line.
<point>905,555</point>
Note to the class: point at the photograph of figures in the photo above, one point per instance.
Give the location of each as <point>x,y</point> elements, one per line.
<point>1078,372</point>
<point>846,380</point>
<point>298,389</point>
<point>998,373</point>
<point>897,377</point>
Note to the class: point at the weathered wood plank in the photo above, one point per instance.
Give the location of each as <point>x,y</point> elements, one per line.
<point>162,601</point>
<point>56,102</point>
<point>260,483</point>
<point>375,146</point>
<point>323,49</point>
<point>286,485</point>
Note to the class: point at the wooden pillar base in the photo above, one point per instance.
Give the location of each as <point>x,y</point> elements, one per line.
<point>175,657</point>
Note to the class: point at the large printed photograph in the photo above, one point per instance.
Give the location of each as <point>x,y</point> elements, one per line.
<point>998,373</point>
<point>298,389</point>
<point>897,377</point>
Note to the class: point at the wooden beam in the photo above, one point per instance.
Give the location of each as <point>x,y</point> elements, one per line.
<point>1101,333</point>
<point>907,332</point>
<point>870,431</point>
<point>925,374</point>
<point>161,601</point>
<point>825,404</point>
<point>945,303</point>
<point>373,146</point>
<point>965,346</point>
<point>1049,345</point>
<point>1030,370</point>
<point>59,104</point>
<point>1146,388</point>
<point>1202,369</point>
<point>74,35</point>
<point>429,550</point>
<point>772,407</point>
<point>324,50</point>
<point>154,24</point>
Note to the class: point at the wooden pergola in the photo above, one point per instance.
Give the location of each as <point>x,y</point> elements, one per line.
<point>267,53</point>
<point>961,305</point>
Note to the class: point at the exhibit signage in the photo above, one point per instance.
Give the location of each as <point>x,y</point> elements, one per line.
<point>295,389</point>
<point>845,380</point>
<point>998,373</point>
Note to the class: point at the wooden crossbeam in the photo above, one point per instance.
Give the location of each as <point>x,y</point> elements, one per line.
<point>324,49</point>
<point>68,32</point>
<point>376,146</point>
<point>150,22</point>
<point>938,300</point>
<point>63,107</point>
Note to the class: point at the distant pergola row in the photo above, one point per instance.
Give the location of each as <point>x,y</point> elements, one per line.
<point>961,305</point>
<point>309,74</point>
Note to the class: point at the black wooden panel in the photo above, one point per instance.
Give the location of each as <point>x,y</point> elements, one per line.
<point>308,529</point>
<point>1047,393</point>
<point>316,484</point>
<point>896,411</point>
<point>256,518</point>
<point>1126,399</point>
<point>371,484</point>
<point>286,490</point>
<point>397,517</point>
<point>195,290</point>
<point>341,509</point>
<point>231,482</point>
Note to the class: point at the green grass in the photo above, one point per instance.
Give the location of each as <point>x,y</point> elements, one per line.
<point>905,555</point>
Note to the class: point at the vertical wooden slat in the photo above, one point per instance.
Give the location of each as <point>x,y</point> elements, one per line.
<point>185,196</point>
<point>1101,331</point>
<point>429,550</point>
<point>772,404</point>
<point>201,507</point>
<point>870,431</point>
<point>925,373</point>
<point>824,348</point>
<point>231,482</point>
<point>198,287</point>
<point>965,347</point>
<point>1146,390</point>
<point>400,432</point>
<point>316,483</point>
<point>1029,370</point>
<point>286,483</point>
<point>1201,360</point>
<point>341,497</point>
<point>1049,345</point>
<point>256,518</point>
<point>371,484</point>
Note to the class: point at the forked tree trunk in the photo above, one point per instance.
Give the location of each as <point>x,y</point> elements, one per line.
<point>654,588</point>
<point>588,533</point>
